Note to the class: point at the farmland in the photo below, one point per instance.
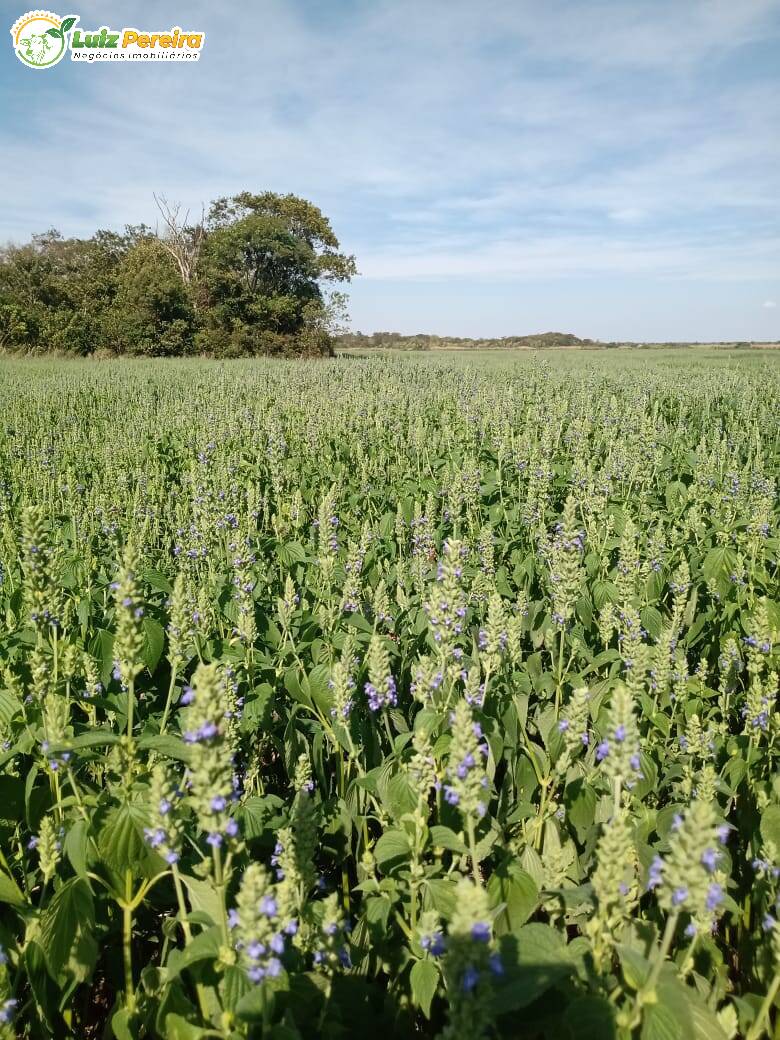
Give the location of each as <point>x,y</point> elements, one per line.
<point>432,696</point>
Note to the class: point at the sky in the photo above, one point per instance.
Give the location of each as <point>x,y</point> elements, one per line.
<point>497,167</point>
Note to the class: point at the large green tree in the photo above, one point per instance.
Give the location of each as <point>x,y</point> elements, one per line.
<point>255,276</point>
<point>265,267</point>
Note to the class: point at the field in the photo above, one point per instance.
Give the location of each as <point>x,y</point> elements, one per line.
<point>402,696</point>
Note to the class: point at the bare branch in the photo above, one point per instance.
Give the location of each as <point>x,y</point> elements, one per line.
<point>182,241</point>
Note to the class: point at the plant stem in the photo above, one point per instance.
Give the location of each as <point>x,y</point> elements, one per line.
<point>666,942</point>
<point>473,850</point>
<point>168,701</point>
<point>127,938</point>
<point>130,706</point>
<point>185,927</point>
<point>757,1029</point>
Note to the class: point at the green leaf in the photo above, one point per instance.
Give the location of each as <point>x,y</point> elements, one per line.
<point>676,495</point>
<point>652,620</point>
<point>511,886</point>
<point>446,838</point>
<point>233,987</point>
<point>204,947</point>
<point>10,706</point>
<point>591,1018</point>
<point>636,967</point>
<point>661,1023</point>
<point>392,850</point>
<point>67,930</point>
<point>178,1028</point>
<point>535,959</point>
<point>424,980</point>
<point>77,845</point>
<point>719,563</point>
<point>121,842</point>
<point>290,553</point>
<point>121,1025</point>
<point>55,33</point>
<point>67,24</point>
<point>401,795</point>
<point>770,824</point>
<point>316,683</point>
<point>580,800</point>
<point>688,1007</point>
<point>204,898</point>
<point>95,738</point>
<point>154,641</point>
<point>156,579</point>
<point>10,892</point>
<point>166,744</point>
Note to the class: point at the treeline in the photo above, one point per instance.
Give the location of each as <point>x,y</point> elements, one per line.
<point>421,341</point>
<point>254,275</point>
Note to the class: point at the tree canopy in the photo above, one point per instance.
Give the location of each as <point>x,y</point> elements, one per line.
<point>255,275</point>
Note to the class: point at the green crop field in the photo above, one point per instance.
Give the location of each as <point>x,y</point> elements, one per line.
<point>403,696</point>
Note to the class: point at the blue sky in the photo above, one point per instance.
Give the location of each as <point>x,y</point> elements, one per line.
<point>605,167</point>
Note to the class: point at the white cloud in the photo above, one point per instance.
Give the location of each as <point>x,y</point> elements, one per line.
<point>502,140</point>
<point>769,305</point>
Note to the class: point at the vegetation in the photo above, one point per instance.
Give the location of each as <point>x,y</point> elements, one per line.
<point>422,341</point>
<point>390,695</point>
<point>250,277</point>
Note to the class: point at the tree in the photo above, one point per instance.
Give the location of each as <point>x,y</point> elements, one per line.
<point>262,264</point>
<point>255,276</point>
<point>152,312</point>
<point>181,240</point>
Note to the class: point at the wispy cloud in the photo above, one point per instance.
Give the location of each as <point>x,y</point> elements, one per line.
<point>501,140</point>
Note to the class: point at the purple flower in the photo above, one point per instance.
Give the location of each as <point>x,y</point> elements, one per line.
<point>620,734</point>
<point>709,859</point>
<point>654,874</point>
<point>495,964</point>
<point>470,979</point>
<point>231,828</point>
<point>268,906</point>
<point>602,750</point>
<point>481,931</point>
<point>714,896</point>
<point>679,895</point>
<point>7,1010</point>
<point>214,839</point>
<point>218,803</point>
<point>451,795</point>
<point>187,695</point>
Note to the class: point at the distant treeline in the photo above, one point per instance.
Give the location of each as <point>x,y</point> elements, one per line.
<point>539,341</point>
<point>422,341</point>
<point>249,277</point>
